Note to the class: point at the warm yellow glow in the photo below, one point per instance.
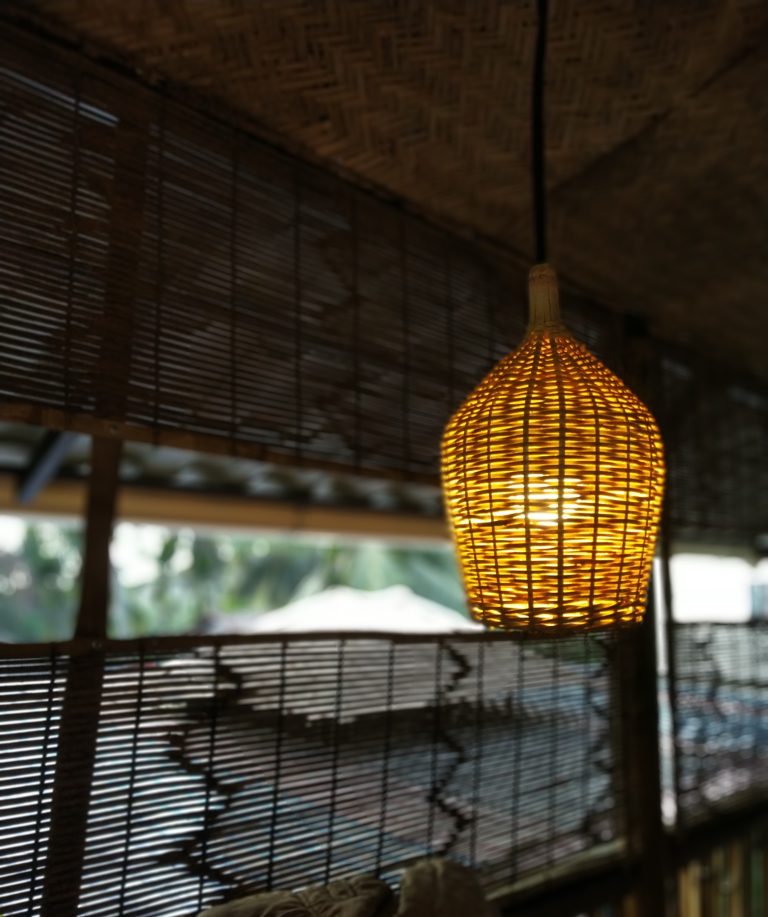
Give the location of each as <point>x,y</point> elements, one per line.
<point>553,477</point>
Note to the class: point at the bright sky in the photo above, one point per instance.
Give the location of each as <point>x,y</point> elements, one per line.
<point>11,533</point>
<point>710,588</point>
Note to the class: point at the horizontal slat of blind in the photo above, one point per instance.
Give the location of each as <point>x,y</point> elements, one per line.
<point>282,764</point>
<point>30,711</point>
<point>722,714</point>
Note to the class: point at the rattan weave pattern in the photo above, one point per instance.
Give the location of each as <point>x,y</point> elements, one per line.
<point>553,476</point>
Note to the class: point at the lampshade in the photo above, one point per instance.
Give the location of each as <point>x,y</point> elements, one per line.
<point>553,475</point>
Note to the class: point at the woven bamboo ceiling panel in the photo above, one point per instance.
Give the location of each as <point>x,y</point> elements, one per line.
<point>658,120</point>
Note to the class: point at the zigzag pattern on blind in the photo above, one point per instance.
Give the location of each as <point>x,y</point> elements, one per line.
<point>243,766</point>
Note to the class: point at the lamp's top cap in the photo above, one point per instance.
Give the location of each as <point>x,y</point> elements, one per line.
<point>543,298</point>
<point>542,273</point>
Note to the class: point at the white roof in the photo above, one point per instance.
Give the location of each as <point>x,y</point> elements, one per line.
<point>394,610</point>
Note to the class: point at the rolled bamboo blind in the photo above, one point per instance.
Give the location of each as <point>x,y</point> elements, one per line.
<point>553,477</point>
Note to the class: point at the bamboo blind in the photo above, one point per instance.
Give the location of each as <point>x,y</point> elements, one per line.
<point>716,432</point>
<point>215,293</point>
<point>227,765</point>
<point>721,715</point>
<point>237,765</point>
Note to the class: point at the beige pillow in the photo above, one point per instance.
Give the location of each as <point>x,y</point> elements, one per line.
<point>430,888</point>
<point>442,888</point>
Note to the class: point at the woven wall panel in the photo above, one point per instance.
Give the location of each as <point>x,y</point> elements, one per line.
<point>279,764</point>
<point>165,278</point>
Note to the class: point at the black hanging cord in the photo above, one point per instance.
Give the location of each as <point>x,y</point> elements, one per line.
<point>538,165</point>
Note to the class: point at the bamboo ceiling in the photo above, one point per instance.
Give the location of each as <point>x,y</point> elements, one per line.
<point>658,122</point>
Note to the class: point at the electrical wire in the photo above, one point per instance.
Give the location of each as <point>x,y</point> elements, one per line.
<point>538,163</point>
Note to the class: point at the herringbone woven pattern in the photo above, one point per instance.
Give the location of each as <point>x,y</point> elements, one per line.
<point>430,99</point>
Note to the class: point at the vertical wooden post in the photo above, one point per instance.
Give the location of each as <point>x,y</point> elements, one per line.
<point>694,888</point>
<point>79,725</point>
<point>639,756</point>
<point>102,496</point>
<point>78,730</point>
<point>637,675</point>
<point>746,873</point>
<point>738,901</point>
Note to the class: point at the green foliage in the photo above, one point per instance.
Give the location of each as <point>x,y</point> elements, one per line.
<point>189,576</point>
<point>39,588</point>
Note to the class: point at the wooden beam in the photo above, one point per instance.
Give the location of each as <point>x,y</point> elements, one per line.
<point>227,511</point>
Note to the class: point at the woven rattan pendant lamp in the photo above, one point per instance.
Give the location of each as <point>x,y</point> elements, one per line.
<point>552,470</point>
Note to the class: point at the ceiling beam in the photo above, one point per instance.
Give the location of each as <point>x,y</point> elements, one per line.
<point>160,506</point>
